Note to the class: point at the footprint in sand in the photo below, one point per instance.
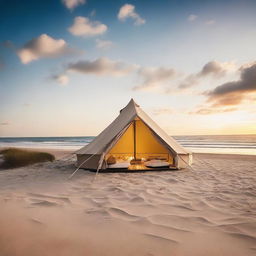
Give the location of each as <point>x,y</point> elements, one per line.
<point>137,199</point>
<point>123,215</point>
<point>45,204</point>
<point>162,239</point>
<point>63,199</point>
<point>97,213</point>
<point>34,221</point>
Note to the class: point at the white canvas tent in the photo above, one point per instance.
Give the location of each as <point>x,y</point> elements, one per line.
<point>133,135</point>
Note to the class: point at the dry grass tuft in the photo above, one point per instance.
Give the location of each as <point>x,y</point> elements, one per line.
<point>14,157</point>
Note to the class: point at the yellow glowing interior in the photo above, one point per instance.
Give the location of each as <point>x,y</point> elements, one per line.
<point>138,142</point>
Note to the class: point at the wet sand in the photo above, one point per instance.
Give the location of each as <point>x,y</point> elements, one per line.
<point>207,210</point>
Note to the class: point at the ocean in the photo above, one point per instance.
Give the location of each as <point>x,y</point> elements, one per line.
<point>223,144</point>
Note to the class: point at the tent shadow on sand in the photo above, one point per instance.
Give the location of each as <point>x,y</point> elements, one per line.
<point>133,142</point>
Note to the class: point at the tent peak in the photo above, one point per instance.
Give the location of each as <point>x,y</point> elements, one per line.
<point>132,101</point>
<point>131,104</point>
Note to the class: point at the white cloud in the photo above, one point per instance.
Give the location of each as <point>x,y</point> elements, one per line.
<point>154,77</point>
<point>71,4</point>
<point>192,17</point>
<point>128,11</point>
<point>101,66</point>
<point>210,22</point>
<point>43,46</point>
<point>84,27</point>
<point>103,44</point>
<point>61,79</point>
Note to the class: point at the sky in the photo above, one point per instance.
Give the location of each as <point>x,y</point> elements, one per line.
<point>68,66</point>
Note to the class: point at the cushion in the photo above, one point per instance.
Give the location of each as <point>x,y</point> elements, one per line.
<point>122,165</point>
<point>156,163</point>
<point>111,160</point>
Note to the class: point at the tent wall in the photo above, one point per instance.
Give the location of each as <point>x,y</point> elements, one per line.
<point>92,163</point>
<point>146,143</point>
<point>125,145</point>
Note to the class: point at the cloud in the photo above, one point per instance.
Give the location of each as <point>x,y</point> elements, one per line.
<point>225,100</point>
<point>103,44</point>
<point>154,77</point>
<point>247,65</point>
<point>62,79</point>
<point>192,17</point>
<point>189,81</point>
<point>214,69</point>
<point>84,27</point>
<point>210,22</point>
<point>232,93</point>
<point>71,4</point>
<point>43,46</point>
<point>227,97</point>
<point>128,11</point>
<point>162,111</point>
<point>5,123</point>
<point>212,110</point>
<point>101,66</point>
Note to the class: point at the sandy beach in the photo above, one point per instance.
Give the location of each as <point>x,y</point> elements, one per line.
<point>206,210</point>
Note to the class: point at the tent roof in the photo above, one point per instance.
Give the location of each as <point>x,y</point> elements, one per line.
<point>128,114</point>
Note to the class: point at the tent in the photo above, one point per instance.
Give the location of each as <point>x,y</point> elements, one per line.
<point>133,141</point>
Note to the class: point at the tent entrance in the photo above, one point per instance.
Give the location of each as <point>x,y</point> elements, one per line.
<point>139,144</point>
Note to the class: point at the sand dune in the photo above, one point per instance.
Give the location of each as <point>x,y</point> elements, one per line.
<point>207,210</point>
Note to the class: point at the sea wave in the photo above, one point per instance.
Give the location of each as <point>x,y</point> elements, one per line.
<point>228,144</point>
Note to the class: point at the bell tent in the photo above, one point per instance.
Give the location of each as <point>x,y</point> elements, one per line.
<point>133,141</point>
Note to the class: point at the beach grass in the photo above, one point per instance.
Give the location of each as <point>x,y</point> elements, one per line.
<point>13,157</point>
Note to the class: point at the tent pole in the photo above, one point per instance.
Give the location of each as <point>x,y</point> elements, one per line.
<point>134,139</point>
<point>99,166</point>
<point>190,167</point>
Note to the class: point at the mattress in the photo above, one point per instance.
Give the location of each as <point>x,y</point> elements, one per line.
<point>122,165</point>
<point>156,163</point>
